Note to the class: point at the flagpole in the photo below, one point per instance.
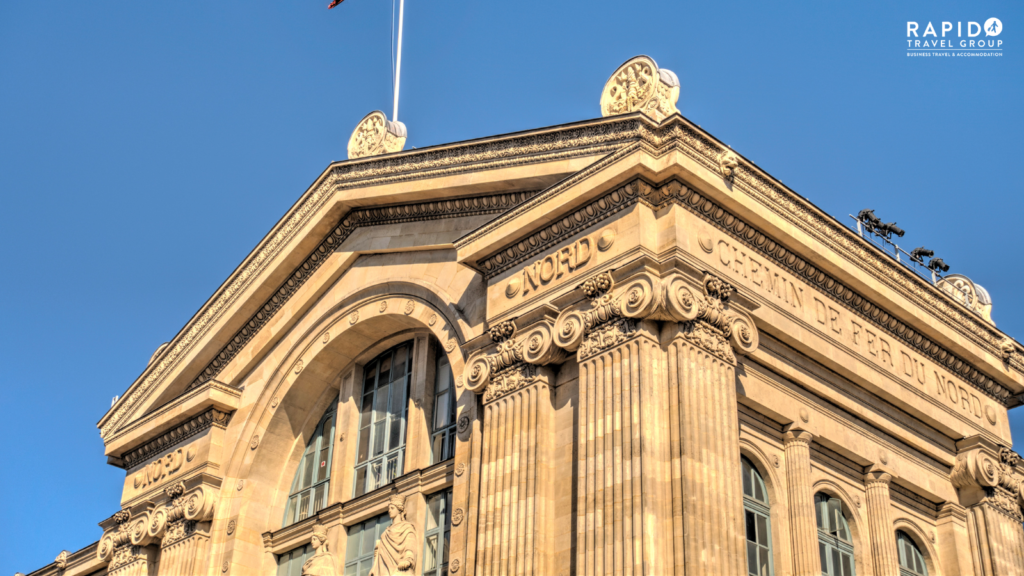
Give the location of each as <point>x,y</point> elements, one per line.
<point>398,65</point>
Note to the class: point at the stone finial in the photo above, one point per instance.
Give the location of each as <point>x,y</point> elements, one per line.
<point>375,135</point>
<point>640,86</point>
<point>62,560</point>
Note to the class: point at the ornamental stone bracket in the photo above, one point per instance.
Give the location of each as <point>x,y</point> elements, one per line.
<point>607,317</point>
<point>987,474</point>
<point>131,540</point>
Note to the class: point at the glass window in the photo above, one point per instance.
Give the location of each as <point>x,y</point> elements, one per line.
<point>437,534</point>
<point>290,563</point>
<point>911,559</point>
<point>312,479</point>
<point>758,521</point>
<point>382,417</point>
<point>835,544</point>
<point>361,540</point>
<point>442,439</point>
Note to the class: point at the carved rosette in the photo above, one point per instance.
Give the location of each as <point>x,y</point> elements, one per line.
<point>640,86</point>
<point>375,135</point>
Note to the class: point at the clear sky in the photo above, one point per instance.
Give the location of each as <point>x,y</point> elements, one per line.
<point>146,147</point>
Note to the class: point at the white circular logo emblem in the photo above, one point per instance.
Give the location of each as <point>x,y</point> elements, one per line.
<point>993,27</point>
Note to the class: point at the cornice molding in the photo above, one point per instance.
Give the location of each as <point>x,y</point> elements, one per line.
<point>175,436</point>
<point>675,191</point>
<point>422,211</point>
<point>743,176</point>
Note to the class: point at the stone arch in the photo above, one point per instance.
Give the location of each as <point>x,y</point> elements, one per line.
<point>778,504</point>
<point>918,535</point>
<point>304,380</point>
<point>859,533</point>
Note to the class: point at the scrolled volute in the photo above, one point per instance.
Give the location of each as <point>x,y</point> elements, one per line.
<point>139,531</point>
<point>200,503</point>
<point>539,347</point>
<point>976,468</point>
<point>478,373</point>
<point>743,333</point>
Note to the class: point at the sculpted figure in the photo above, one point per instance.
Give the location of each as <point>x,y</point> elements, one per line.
<point>322,563</point>
<point>394,555</point>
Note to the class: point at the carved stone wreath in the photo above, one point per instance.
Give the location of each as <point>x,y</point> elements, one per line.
<point>463,424</point>
<point>457,516</point>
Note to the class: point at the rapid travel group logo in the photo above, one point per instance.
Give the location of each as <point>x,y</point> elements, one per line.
<point>924,39</point>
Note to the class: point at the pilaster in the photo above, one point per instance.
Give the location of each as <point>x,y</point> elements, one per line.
<point>883,539</point>
<point>802,520</point>
<point>989,484</point>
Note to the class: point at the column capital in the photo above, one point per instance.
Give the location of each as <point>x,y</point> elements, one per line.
<point>878,476</point>
<point>793,434</point>
<point>517,361</point>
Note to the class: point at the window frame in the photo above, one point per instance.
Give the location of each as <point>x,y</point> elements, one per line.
<point>318,442</point>
<point>756,508</point>
<point>442,531</point>
<point>293,564</point>
<point>362,558</point>
<point>905,570</point>
<point>829,543</point>
<point>386,455</point>
<point>442,438</point>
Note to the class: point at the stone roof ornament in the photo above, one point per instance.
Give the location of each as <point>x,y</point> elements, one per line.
<point>640,86</point>
<point>971,295</point>
<point>375,135</point>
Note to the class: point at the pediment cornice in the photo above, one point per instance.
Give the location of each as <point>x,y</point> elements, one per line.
<point>743,180</point>
<point>580,140</point>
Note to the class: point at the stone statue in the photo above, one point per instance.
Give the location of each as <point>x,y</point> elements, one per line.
<point>322,563</point>
<point>394,554</point>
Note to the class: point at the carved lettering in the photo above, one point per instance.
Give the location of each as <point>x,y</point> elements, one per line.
<point>159,469</point>
<point>833,316</point>
<point>554,266</point>
<point>828,318</point>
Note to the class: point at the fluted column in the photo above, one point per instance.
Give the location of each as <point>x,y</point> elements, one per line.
<point>990,487</point>
<point>883,539</point>
<point>513,535</point>
<point>803,524</point>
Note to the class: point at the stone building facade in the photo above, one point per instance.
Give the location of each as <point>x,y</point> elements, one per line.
<point>609,347</point>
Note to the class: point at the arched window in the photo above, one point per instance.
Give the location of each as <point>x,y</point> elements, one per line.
<point>911,559</point>
<point>442,439</point>
<point>834,541</point>
<point>382,416</point>
<point>312,479</point>
<point>758,520</point>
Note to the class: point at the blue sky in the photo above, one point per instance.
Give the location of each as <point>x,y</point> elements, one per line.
<point>146,147</point>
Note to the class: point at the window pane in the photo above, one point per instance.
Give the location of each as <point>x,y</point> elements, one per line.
<point>369,537</point>
<point>823,552</point>
<point>289,515</point>
<point>400,356</point>
<point>441,411</point>
<point>747,488</point>
<point>318,500</point>
<point>395,435</point>
<point>397,407</point>
<point>751,528</point>
<point>433,511</point>
<point>436,446</point>
<point>835,561</point>
<point>847,565</point>
<point>352,569</point>
<point>360,487</point>
<point>374,481</point>
<point>303,505</point>
<point>819,504</point>
<point>323,470</point>
<point>380,405</point>
<point>385,371</point>
<point>307,472</point>
<point>751,557</point>
<point>378,438</point>
<point>364,445</point>
<point>364,411</point>
<point>393,471</point>
<point>352,546</point>
<point>759,490</point>
<point>762,530</point>
<point>430,553</point>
